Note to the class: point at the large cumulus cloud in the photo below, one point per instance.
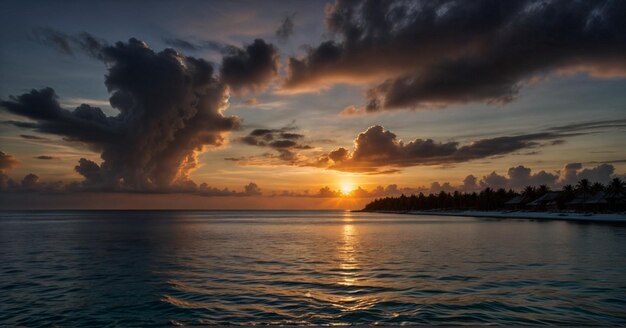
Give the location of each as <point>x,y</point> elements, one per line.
<point>573,172</point>
<point>170,106</point>
<point>518,177</point>
<point>434,53</point>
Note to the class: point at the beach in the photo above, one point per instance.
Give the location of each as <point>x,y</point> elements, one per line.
<point>562,216</point>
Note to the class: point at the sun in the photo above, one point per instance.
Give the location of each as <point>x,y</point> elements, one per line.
<point>346,188</point>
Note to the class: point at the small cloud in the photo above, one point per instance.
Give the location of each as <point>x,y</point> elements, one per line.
<point>7,161</point>
<point>352,111</point>
<point>188,45</point>
<point>32,137</point>
<point>251,102</point>
<point>285,30</point>
<point>45,157</point>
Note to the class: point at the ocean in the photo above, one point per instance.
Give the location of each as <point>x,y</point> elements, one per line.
<point>164,268</point>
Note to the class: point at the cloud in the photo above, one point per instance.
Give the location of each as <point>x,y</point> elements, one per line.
<point>352,111</point>
<point>519,177</point>
<point>31,183</point>
<point>188,45</point>
<point>573,172</point>
<point>283,140</point>
<point>516,178</point>
<point>251,68</point>
<point>469,184</point>
<point>252,189</point>
<point>376,148</point>
<point>379,151</point>
<point>70,44</point>
<point>171,107</point>
<point>285,30</point>
<point>32,137</point>
<point>359,192</point>
<point>45,157</point>
<point>435,53</point>
<point>7,162</point>
<point>590,126</point>
<point>251,102</point>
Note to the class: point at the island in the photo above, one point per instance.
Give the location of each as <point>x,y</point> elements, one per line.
<point>585,201</point>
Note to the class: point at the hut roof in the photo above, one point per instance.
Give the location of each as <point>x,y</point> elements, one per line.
<point>548,197</point>
<point>515,200</point>
<point>581,199</point>
<point>598,198</point>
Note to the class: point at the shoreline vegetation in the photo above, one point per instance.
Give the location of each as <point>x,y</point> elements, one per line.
<point>583,202</point>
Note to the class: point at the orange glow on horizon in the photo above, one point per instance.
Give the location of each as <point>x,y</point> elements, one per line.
<point>346,188</point>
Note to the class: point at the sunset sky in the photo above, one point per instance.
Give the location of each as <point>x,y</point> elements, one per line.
<point>296,104</point>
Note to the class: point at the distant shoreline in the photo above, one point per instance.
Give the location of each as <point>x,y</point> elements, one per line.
<point>561,216</point>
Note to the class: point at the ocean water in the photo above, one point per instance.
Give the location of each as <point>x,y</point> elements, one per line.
<point>164,268</point>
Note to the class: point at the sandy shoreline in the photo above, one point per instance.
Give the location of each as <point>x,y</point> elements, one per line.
<point>563,216</point>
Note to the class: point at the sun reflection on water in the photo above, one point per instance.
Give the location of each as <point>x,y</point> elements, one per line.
<point>349,268</point>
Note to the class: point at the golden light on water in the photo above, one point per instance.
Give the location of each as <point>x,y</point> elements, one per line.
<point>350,267</point>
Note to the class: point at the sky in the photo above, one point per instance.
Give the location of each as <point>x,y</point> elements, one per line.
<point>304,104</point>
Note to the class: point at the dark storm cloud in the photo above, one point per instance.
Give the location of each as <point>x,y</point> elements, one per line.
<point>84,123</point>
<point>250,68</point>
<point>247,69</point>
<point>285,30</point>
<point>434,53</point>
<point>170,108</point>
<point>7,161</point>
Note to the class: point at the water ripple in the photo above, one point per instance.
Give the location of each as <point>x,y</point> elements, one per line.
<point>306,268</point>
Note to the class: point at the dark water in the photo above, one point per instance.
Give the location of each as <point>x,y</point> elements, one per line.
<point>287,267</point>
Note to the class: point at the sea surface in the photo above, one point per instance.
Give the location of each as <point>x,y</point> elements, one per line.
<point>164,268</point>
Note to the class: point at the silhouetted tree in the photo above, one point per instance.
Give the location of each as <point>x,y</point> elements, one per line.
<point>597,187</point>
<point>543,189</point>
<point>489,199</point>
<point>583,187</point>
<point>616,186</point>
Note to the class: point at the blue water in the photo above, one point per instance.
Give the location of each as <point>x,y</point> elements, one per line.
<point>139,268</point>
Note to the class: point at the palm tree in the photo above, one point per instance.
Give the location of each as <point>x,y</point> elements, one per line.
<point>616,190</point>
<point>567,194</point>
<point>528,192</point>
<point>543,189</point>
<point>567,188</point>
<point>616,186</point>
<point>597,187</point>
<point>583,186</point>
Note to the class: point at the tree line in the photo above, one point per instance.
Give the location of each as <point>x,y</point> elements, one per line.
<point>490,199</point>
